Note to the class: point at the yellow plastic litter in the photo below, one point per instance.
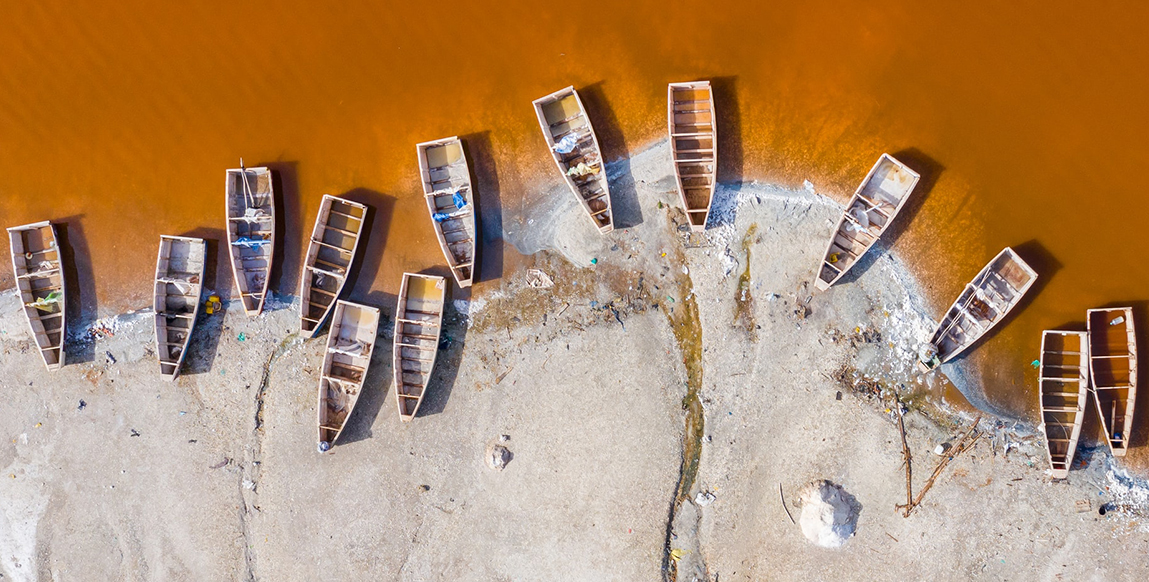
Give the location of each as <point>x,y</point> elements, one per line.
<point>213,304</point>
<point>833,258</point>
<point>581,170</point>
<point>676,554</point>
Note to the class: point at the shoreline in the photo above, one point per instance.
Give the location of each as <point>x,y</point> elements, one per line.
<point>654,401</point>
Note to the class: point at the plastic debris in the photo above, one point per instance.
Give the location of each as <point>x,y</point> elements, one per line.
<point>1036,364</point>
<point>539,279</point>
<point>594,261</point>
<point>704,498</point>
<point>248,242</point>
<point>241,337</point>
<point>213,304</point>
<point>567,144</point>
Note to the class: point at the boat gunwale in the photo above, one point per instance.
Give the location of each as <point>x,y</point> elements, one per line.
<point>322,218</point>
<point>823,285</point>
<point>975,284</point>
<point>228,194</point>
<point>548,135</point>
<point>424,177</point>
<point>713,174</point>
<point>328,353</point>
<point>1083,384</point>
<point>397,347</point>
<point>158,316</point>
<point>1131,398</point>
<point>62,347</point>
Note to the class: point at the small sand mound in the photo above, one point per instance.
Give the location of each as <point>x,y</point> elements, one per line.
<point>829,514</point>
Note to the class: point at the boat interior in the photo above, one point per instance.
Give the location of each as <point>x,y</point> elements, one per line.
<point>693,147</point>
<point>447,173</point>
<point>983,303</point>
<point>36,259</point>
<point>329,257</point>
<point>565,116</point>
<point>1114,368</point>
<point>177,295</point>
<point>250,219</point>
<point>417,322</point>
<point>349,348</point>
<point>1062,376</point>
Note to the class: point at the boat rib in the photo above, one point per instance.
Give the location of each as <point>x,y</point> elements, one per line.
<point>1063,390</point>
<point>693,130</point>
<point>178,283</point>
<point>330,254</point>
<point>250,204</point>
<point>870,211</point>
<point>350,344</point>
<point>984,302</point>
<point>40,281</point>
<point>574,147</point>
<point>446,179</point>
<point>1113,370</point>
<point>418,319</point>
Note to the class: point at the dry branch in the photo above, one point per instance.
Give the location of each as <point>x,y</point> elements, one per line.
<point>964,443</point>
<point>905,454</point>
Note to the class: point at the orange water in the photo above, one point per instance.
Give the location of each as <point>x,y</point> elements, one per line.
<point>1027,118</point>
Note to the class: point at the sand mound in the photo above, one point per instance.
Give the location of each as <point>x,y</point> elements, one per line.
<point>829,514</point>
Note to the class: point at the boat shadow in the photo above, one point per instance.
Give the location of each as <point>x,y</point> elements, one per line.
<point>217,279</point>
<point>929,170</point>
<point>729,174</point>
<point>488,200</point>
<point>80,289</point>
<point>363,272</point>
<point>1045,264</point>
<point>615,156</point>
<point>285,267</point>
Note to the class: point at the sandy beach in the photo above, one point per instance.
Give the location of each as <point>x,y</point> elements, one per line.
<point>656,401</point>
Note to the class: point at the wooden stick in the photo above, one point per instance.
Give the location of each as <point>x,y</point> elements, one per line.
<point>905,455</point>
<point>958,449</point>
<point>783,498</point>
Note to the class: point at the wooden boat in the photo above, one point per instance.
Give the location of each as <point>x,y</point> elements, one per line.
<point>574,147</point>
<point>40,280</point>
<point>868,214</point>
<point>418,318</point>
<point>1063,390</point>
<point>447,187</point>
<point>1113,369</point>
<point>334,240</point>
<point>179,281</point>
<point>694,147</point>
<point>986,300</point>
<point>349,348</point>
<point>250,204</point>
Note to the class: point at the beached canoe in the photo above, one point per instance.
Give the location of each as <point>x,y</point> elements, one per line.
<point>1113,370</point>
<point>334,240</point>
<point>694,147</point>
<point>179,281</point>
<point>868,214</point>
<point>986,300</point>
<point>349,347</point>
<point>40,280</point>
<point>446,181</point>
<point>250,205</point>
<point>574,147</point>
<point>418,318</point>
<point>1063,390</point>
